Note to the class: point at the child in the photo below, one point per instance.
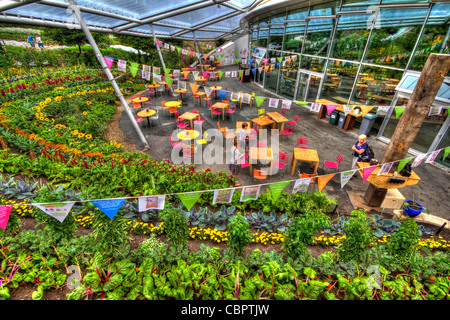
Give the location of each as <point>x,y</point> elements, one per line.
<point>235,163</point>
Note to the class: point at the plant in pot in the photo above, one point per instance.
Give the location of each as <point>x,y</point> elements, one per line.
<point>412,208</point>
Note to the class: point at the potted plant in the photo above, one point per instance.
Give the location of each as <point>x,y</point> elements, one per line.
<point>412,208</point>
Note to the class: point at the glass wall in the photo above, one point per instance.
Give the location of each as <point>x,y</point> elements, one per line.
<point>294,36</point>
<point>288,78</point>
<point>338,81</point>
<point>312,63</point>
<point>318,35</point>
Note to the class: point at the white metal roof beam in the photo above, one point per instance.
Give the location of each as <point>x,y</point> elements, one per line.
<point>14,4</point>
<point>204,24</point>
<point>169,13</point>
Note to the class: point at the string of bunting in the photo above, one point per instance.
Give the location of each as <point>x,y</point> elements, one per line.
<point>110,206</point>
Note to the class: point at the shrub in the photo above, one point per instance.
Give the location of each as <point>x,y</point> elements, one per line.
<point>177,228</point>
<point>405,241</point>
<point>238,235</point>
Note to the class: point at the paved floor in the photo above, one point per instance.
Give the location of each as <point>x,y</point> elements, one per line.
<point>432,191</point>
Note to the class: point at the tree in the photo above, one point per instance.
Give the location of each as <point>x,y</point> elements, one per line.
<point>74,37</point>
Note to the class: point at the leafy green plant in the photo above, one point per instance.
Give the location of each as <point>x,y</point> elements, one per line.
<point>405,241</point>
<point>239,234</point>
<point>177,228</point>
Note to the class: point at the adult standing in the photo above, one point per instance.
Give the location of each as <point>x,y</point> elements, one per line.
<point>235,165</point>
<point>358,149</point>
<point>39,42</point>
<point>30,40</point>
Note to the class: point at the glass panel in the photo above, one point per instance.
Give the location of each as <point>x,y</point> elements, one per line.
<point>410,82</point>
<point>289,77</point>
<point>376,86</point>
<point>394,36</point>
<point>276,37</point>
<point>435,37</point>
<point>313,90</point>
<point>325,9</point>
<point>312,63</point>
<point>255,38</point>
<point>193,18</point>
<point>350,5</point>
<point>403,1</point>
<point>278,18</point>
<point>271,78</point>
<point>445,142</point>
<point>318,36</point>
<point>427,132</point>
<point>262,37</point>
<point>302,84</point>
<point>338,82</point>
<point>298,14</point>
<point>295,33</point>
<point>350,37</point>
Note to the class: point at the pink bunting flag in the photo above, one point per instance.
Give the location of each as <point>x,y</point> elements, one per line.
<point>5,211</point>
<point>205,74</point>
<point>159,43</point>
<point>109,61</point>
<point>191,53</point>
<point>330,108</point>
<point>367,172</point>
<point>245,51</point>
<point>266,60</point>
<point>220,49</point>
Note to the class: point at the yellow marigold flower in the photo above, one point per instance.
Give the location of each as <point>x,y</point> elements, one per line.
<point>85,113</point>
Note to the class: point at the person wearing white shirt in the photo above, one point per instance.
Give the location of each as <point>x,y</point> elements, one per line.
<point>39,41</point>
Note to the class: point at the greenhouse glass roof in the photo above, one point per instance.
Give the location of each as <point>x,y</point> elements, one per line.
<point>182,19</point>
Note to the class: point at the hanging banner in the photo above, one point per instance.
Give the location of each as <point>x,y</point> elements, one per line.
<point>194,87</point>
<point>223,196</point>
<point>169,81</point>
<point>250,193</point>
<point>348,109</point>
<point>346,176</point>
<point>382,111</point>
<point>109,207</point>
<point>109,61</point>
<point>222,94</point>
<point>227,74</point>
<point>186,74</point>
<point>402,163</point>
<point>315,107</point>
<point>385,168</point>
<point>57,210</point>
<point>259,100</point>
<point>189,199</point>
<point>446,152</point>
<point>323,180</point>
<point>182,85</point>
<point>367,172</point>
<point>250,61</point>
<point>178,50</point>
<point>166,71</point>
<point>172,48</point>
<point>237,60</point>
<point>176,74</point>
<point>157,70</point>
<point>265,60</point>
<point>399,111</point>
<point>122,65</point>
<point>205,74</point>
<point>208,91</point>
<point>286,104</point>
<point>5,211</point>
<point>159,43</point>
<point>301,185</point>
<point>233,74</point>
<point>273,60</point>
<point>330,108</point>
<point>195,74</point>
<point>254,71</point>
<point>365,110</point>
<point>432,156</point>
<point>134,67</point>
<point>166,46</point>
<point>184,51</point>
<point>273,103</point>
<point>277,188</point>
<point>220,74</point>
<point>151,203</point>
<point>241,72</point>
<point>418,160</point>
<point>157,78</point>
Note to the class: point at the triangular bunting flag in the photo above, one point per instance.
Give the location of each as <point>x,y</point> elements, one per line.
<point>169,81</point>
<point>418,160</point>
<point>220,74</point>
<point>159,43</point>
<point>402,163</point>
<point>179,50</point>
<point>250,61</point>
<point>302,103</point>
<point>254,70</point>
<point>189,199</point>
<point>57,210</point>
<point>237,60</point>
<point>166,71</point>
<point>279,59</point>
<point>186,74</point>
<point>399,111</point>
<point>265,60</point>
<point>433,155</point>
<point>205,74</point>
<point>194,87</point>
<point>446,152</point>
<point>109,61</point>
<point>208,91</point>
<point>323,180</point>
<point>241,72</point>
<point>348,109</point>
<point>301,185</point>
<point>195,74</point>
<point>277,188</point>
<point>134,67</point>
<point>222,94</point>
<point>330,108</point>
<point>109,207</point>
<point>365,110</point>
<point>5,211</point>
<point>367,172</point>
<point>346,176</point>
<point>259,100</point>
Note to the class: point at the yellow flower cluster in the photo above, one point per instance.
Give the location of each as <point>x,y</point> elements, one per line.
<point>84,221</point>
<point>325,241</point>
<point>208,234</point>
<point>114,143</point>
<point>435,244</point>
<point>58,88</point>
<point>266,237</point>
<point>145,228</point>
<point>20,208</point>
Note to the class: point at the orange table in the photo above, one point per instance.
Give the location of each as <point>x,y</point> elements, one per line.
<point>307,155</point>
<point>201,94</point>
<point>264,154</point>
<point>154,86</point>
<point>140,100</point>
<point>277,118</point>
<point>180,91</point>
<point>147,113</point>
<point>200,79</point>
<point>171,104</point>
<point>261,122</point>
<point>190,116</point>
<point>220,105</point>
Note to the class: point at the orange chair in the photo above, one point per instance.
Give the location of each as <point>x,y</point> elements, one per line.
<point>228,135</point>
<point>308,175</point>
<point>221,129</point>
<point>260,174</point>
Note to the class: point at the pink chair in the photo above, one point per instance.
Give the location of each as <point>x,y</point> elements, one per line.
<point>138,120</point>
<point>293,123</point>
<point>279,164</point>
<point>244,164</point>
<point>151,91</point>
<point>181,124</point>
<point>175,144</point>
<point>216,112</point>
<point>231,110</point>
<point>283,111</point>
<point>287,132</point>
<point>333,165</point>
<point>194,111</point>
<point>202,118</point>
<point>301,141</point>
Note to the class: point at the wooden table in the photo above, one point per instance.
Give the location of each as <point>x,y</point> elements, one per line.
<point>261,154</point>
<point>307,155</point>
<point>261,122</point>
<point>200,79</point>
<point>220,105</point>
<point>180,91</point>
<point>140,99</point>
<point>382,181</point>
<point>239,126</point>
<point>190,116</point>
<point>201,94</point>
<point>153,86</point>
<point>146,114</point>
<point>277,118</point>
<point>349,122</point>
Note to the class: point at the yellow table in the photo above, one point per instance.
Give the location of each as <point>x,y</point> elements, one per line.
<point>261,122</point>
<point>154,86</point>
<point>190,116</point>
<point>307,155</point>
<point>180,91</point>
<point>172,104</point>
<point>187,136</point>
<point>146,114</point>
<point>200,79</point>
<point>140,99</point>
<point>264,154</point>
<point>382,181</point>
<point>201,94</point>
<point>220,105</point>
<point>277,118</point>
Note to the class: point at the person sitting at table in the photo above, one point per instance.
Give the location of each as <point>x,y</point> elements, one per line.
<point>235,165</point>
<point>243,137</point>
<point>358,149</point>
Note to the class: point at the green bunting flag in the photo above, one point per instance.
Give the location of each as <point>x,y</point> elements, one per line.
<point>166,71</point>
<point>179,50</point>
<point>277,188</point>
<point>399,111</point>
<point>237,60</point>
<point>220,74</point>
<point>259,100</point>
<point>280,59</point>
<point>301,103</point>
<point>134,67</point>
<point>241,72</point>
<point>446,152</point>
<point>402,164</point>
<point>189,199</point>
<point>169,81</point>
